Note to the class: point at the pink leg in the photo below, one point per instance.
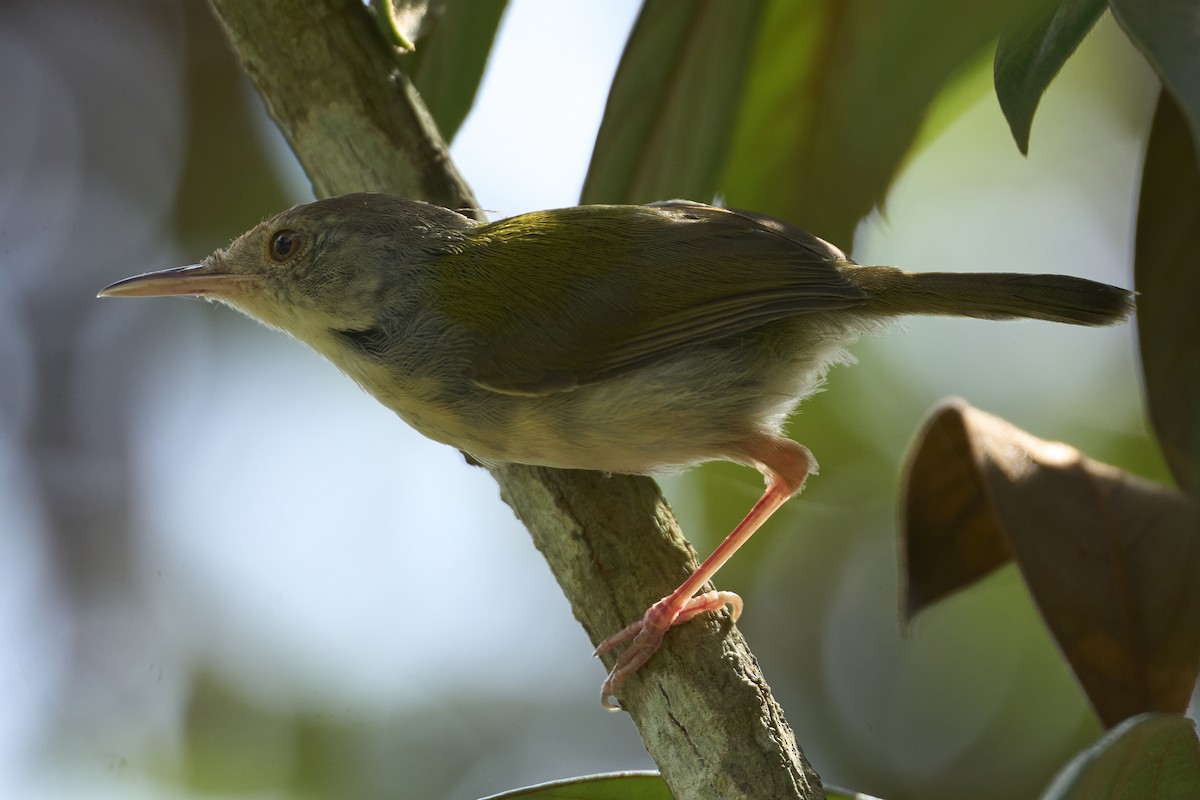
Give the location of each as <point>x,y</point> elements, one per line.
<point>785,464</point>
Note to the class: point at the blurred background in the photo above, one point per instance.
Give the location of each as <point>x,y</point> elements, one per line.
<point>226,571</point>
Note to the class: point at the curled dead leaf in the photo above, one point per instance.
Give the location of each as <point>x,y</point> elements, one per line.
<point>1112,560</point>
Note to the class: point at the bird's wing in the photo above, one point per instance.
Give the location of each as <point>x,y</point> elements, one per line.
<point>604,289</point>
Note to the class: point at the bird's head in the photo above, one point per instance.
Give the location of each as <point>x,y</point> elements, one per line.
<point>331,265</point>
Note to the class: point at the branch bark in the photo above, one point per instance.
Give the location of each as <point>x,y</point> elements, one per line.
<point>335,88</point>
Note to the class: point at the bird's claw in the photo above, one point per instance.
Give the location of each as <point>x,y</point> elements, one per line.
<point>645,636</point>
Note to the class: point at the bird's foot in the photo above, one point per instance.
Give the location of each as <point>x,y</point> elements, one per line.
<point>645,636</point>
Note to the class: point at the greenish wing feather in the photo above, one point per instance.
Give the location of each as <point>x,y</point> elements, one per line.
<point>604,289</point>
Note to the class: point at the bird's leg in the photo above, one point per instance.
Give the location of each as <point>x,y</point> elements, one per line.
<point>785,464</point>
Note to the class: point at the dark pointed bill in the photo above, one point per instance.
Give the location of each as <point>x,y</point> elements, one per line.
<point>198,280</point>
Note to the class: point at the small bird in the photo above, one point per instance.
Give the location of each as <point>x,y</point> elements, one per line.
<point>637,339</point>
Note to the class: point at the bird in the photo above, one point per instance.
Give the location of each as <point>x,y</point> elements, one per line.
<point>639,339</point>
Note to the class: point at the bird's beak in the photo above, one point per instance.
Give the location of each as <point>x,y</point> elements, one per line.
<point>200,280</point>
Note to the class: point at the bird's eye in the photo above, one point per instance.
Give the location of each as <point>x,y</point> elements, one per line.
<point>284,245</point>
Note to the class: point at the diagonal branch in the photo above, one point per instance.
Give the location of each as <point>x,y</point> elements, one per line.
<point>335,88</point>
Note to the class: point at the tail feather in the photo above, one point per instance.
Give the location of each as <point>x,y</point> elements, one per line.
<point>995,295</point>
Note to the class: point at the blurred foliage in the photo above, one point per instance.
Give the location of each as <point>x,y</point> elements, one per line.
<point>672,106</point>
<point>804,110</point>
<point>817,114</point>
<point>220,154</point>
<point>235,744</point>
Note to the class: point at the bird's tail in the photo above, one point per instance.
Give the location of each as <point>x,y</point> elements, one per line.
<point>991,295</point>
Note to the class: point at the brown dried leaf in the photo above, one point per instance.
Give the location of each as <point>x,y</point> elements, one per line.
<point>1111,560</point>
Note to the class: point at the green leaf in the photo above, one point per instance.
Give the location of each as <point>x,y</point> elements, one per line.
<point>1148,757</point>
<point>1168,34</point>
<point>1167,276</point>
<point>846,794</point>
<point>673,102</point>
<point>448,64</point>
<point>836,95</point>
<point>1029,57</point>
<point>621,786</point>
<point>615,786</point>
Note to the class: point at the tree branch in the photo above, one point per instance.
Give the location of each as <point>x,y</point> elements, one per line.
<point>334,87</point>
